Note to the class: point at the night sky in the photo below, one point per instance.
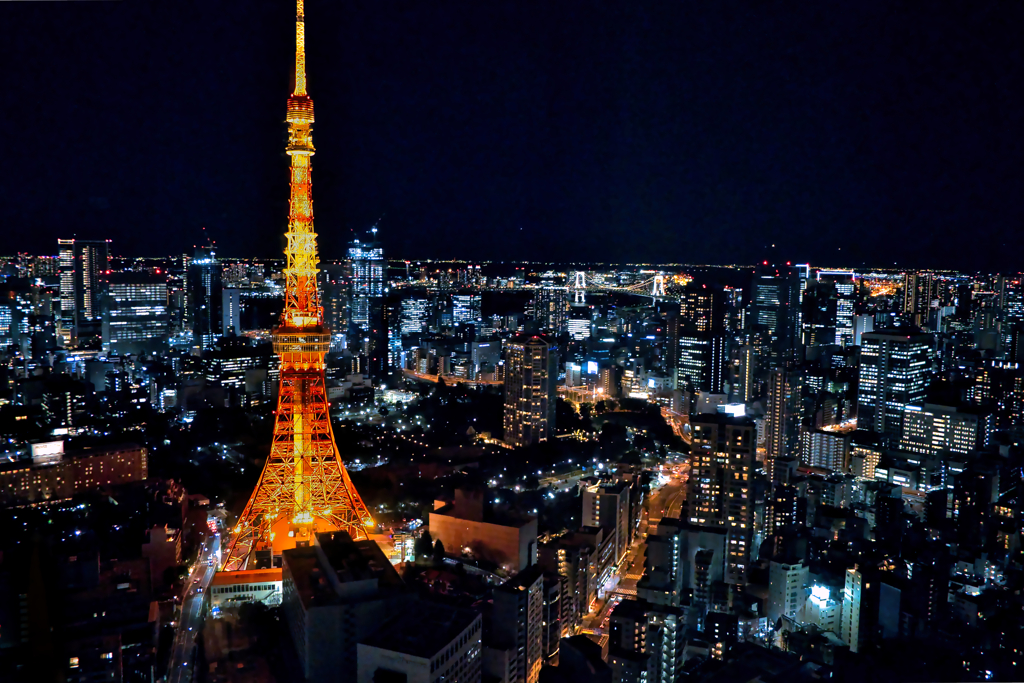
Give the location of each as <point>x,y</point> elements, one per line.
<point>700,132</point>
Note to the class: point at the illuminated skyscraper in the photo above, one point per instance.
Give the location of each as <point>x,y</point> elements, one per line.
<point>66,271</point>
<point>918,292</point>
<point>720,488</point>
<point>366,264</point>
<point>895,371</point>
<point>304,488</point>
<point>782,426</point>
<point>551,307</point>
<point>530,377</point>
<point>775,298</point>
<point>136,320</point>
<point>204,299</point>
<point>415,316</point>
<point>83,266</point>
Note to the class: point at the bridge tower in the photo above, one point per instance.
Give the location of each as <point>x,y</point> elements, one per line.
<point>579,287</point>
<point>658,286</point>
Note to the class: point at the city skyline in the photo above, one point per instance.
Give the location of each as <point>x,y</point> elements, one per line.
<point>703,134</point>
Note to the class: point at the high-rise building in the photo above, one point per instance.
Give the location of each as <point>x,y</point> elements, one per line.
<point>366,321</point>
<point>530,376</point>
<point>335,286</point>
<point>719,491</point>
<point>851,617</point>
<point>66,271</point>
<point>83,266</point>
<point>703,308</point>
<point>366,267</point>
<point>551,307</point>
<point>775,299</point>
<point>845,284</point>
<point>608,505</point>
<point>517,625</point>
<point>465,308</point>
<point>136,320</point>
<point>782,427</point>
<point>700,361</point>
<point>415,316</point>
<point>895,371</point>
<point>579,323</point>
<point>918,294</point>
<point>203,283</point>
<point>786,584</point>
<point>231,311</point>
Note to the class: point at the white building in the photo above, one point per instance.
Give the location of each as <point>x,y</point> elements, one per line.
<point>850,628</point>
<point>786,589</point>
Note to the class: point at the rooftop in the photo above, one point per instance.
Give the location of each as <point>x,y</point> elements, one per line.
<point>423,630</point>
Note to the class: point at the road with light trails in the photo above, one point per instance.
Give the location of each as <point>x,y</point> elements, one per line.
<point>665,502</point>
<point>181,667</point>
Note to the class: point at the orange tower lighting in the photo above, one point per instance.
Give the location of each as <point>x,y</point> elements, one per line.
<point>304,488</point>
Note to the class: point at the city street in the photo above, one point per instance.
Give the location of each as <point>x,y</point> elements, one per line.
<point>180,668</point>
<point>665,502</point>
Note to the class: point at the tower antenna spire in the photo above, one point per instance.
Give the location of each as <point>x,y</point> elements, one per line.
<point>300,49</point>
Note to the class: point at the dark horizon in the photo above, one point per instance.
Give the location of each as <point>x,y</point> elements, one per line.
<point>525,131</point>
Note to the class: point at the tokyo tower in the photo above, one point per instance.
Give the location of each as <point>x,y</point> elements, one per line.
<point>304,488</point>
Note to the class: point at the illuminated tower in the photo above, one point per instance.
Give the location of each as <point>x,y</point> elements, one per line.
<point>304,487</point>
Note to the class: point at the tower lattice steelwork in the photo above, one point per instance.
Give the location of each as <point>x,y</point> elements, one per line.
<point>304,487</point>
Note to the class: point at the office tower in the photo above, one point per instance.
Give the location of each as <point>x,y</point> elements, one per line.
<point>136,320</point>
<point>646,642</point>
<point>719,490</point>
<point>703,308</point>
<point>785,407</point>
<point>844,284</point>
<point>895,371</point>
<point>304,488</point>
<point>819,309</point>
<point>551,307</point>
<point>786,584</point>
<point>933,429</point>
<point>700,360</point>
<point>231,311</point>
<point>861,325</point>
<point>335,287</point>
<point>415,316</point>
<point>66,271</point>
<point>366,320</point>
<point>204,298</point>
<point>517,625</point>
<point>465,308</point>
<point>775,301</point>
<point>530,376</point>
<point>366,268</point>
<point>918,293</point>
<point>744,371</point>
<point>83,266</point>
